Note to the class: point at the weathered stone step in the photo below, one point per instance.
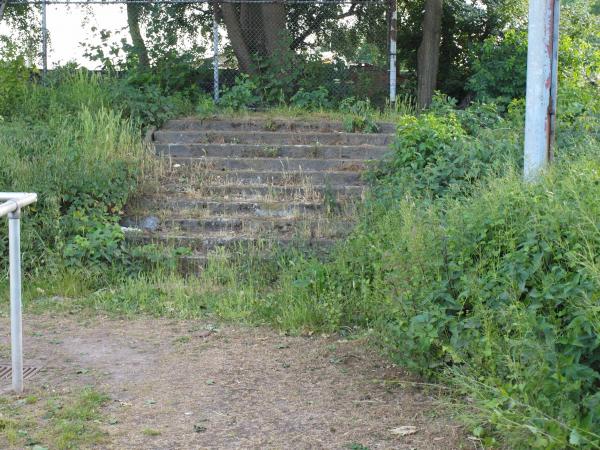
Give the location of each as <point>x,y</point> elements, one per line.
<point>196,262</point>
<point>282,178</point>
<point>251,225</point>
<point>369,152</point>
<point>211,207</point>
<point>267,192</point>
<point>264,124</point>
<point>203,244</point>
<point>273,164</point>
<point>268,138</point>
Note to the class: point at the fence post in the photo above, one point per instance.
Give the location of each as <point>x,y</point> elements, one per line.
<point>215,54</point>
<point>44,42</point>
<point>542,82</point>
<point>16,332</point>
<point>393,38</point>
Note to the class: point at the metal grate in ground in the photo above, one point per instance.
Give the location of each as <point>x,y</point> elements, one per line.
<point>28,372</point>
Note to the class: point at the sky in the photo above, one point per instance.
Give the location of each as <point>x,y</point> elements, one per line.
<point>68,26</point>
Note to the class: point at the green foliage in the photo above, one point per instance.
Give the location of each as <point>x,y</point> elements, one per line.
<point>358,116</point>
<point>68,420</point>
<point>241,95</point>
<point>500,67</point>
<point>148,103</point>
<point>311,100</point>
<point>445,150</point>
<point>466,274</point>
<point>499,62</point>
<point>13,81</point>
<point>83,159</point>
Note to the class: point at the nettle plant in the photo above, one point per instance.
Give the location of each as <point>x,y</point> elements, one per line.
<point>358,116</point>
<point>241,95</point>
<point>311,100</point>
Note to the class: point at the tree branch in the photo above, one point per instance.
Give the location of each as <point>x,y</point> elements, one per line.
<point>3,4</point>
<point>317,20</point>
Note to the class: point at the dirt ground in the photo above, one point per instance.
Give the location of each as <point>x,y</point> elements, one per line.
<point>198,385</point>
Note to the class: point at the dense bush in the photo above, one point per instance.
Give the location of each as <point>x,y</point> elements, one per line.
<point>499,291</point>
<point>499,69</point>
<point>311,100</point>
<point>466,274</point>
<point>83,158</point>
<point>241,95</point>
<point>499,63</point>
<point>446,150</point>
<point>13,81</point>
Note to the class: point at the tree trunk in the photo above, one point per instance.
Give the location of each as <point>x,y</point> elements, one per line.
<point>428,55</point>
<point>275,30</point>
<point>3,4</point>
<point>256,30</point>
<point>139,47</point>
<point>236,36</point>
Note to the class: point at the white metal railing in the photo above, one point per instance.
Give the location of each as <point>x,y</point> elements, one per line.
<point>10,205</point>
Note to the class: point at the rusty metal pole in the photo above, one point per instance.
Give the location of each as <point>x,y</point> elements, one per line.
<point>393,49</point>
<point>542,82</point>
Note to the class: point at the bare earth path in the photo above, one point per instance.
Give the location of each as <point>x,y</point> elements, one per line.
<point>231,387</point>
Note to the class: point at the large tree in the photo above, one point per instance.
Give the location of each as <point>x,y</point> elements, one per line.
<point>256,30</point>
<point>134,13</point>
<point>428,55</point>
<point>270,30</point>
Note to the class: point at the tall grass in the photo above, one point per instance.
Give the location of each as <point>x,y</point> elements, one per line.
<point>81,156</point>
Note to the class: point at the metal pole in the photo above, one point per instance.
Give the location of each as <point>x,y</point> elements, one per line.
<point>540,109</point>
<point>215,54</point>
<point>554,87</point>
<point>44,42</point>
<point>393,37</point>
<point>16,333</point>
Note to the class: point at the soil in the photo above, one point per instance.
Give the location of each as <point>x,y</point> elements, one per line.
<point>196,386</point>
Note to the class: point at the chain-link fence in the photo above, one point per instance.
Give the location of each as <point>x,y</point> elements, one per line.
<point>304,50</point>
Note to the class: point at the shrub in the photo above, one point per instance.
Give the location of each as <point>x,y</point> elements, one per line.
<point>358,116</point>
<point>84,168</point>
<point>433,154</point>
<point>241,95</point>
<point>499,71</point>
<point>13,83</point>
<point>311,100</point>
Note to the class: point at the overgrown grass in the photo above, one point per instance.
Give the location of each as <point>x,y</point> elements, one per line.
<point>461,271</point>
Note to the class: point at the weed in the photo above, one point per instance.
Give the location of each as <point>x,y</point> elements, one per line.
<point>67,422</point>
<point>151,432</point>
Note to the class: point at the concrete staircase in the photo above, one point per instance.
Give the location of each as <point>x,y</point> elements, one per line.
<point>256,181</point>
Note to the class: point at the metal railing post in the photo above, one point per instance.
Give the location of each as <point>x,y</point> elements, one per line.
<point>393,49</point>
<point>11,204</point>
<point>16,332</point>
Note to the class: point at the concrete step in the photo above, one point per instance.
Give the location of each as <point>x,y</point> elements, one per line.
<point>266,192</point>
<point>368,152</point>
<point>202,244</point>
<point>273,164</point>
<point>270,138</point>
<point>202,207</point>
<point>196,262</point>
<point>263,124</point>
<point>256,226</point>
<point>282,178</point>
